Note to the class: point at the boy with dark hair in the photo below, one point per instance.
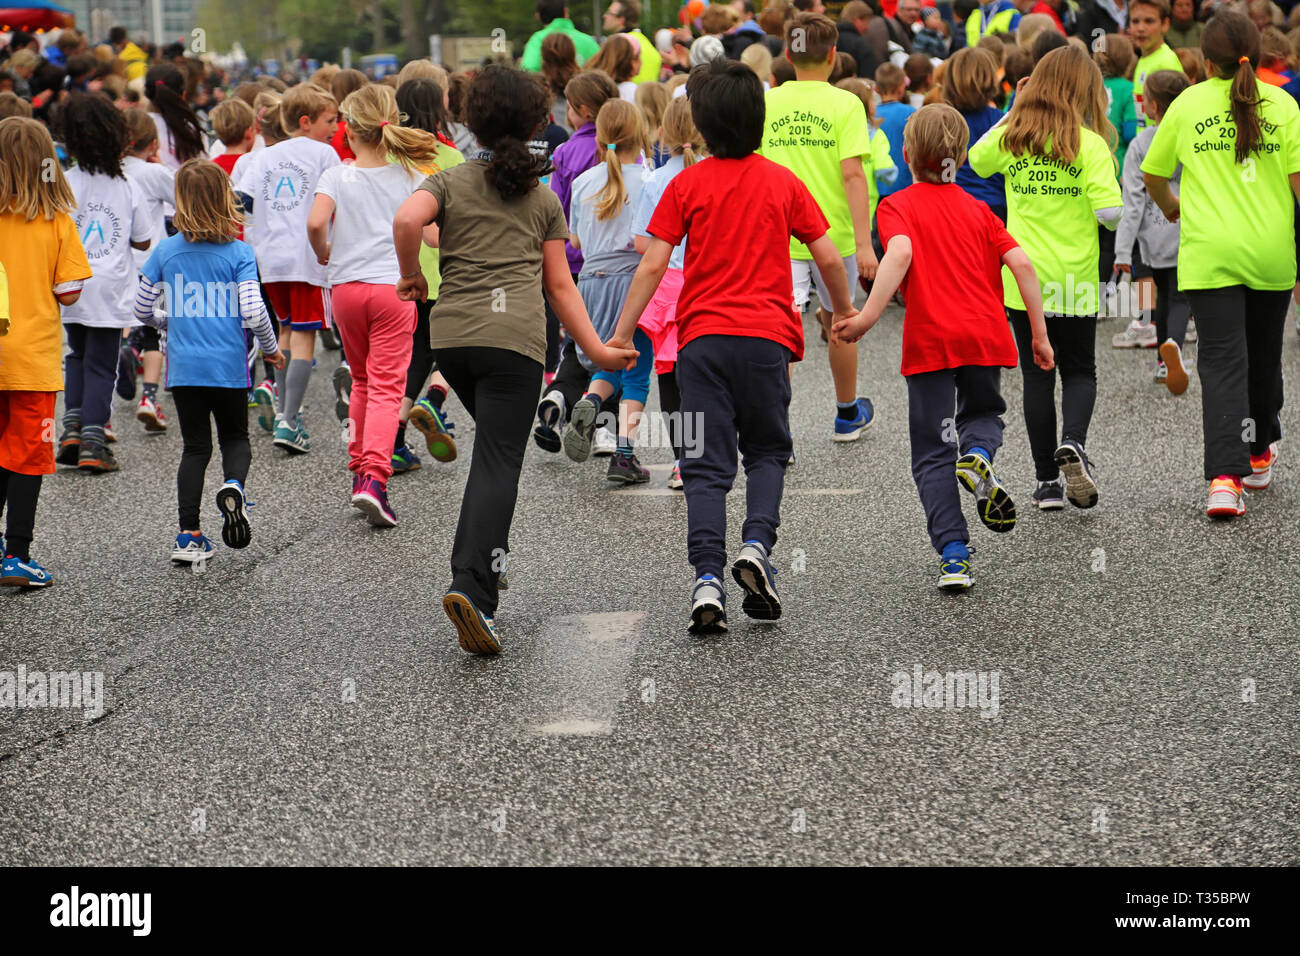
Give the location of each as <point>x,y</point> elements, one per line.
<point>1148,22</point>
<point>736,328</point>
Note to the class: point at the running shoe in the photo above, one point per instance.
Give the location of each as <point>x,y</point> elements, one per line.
<point>371,499</point>
<point>1049,495</point>
<point>753,571</point>
<point>1162,374</point>
<point>110,436</point>
<point>264,401</point>
<point>1080,489</point>
<point>235,530</point>
<point>69,447</point>
<point>1171,357</point>
<point>405,460</point>
<point>23,573</point>
<point>675,479</point>
<point>852,429</point>
<point>128,364</point>
<point>439,432</point>
<point>151,416</point>
<point>708,606</point>
<point>626,470</point>
<point>476,631</point>
<point>550,422</point>
<point>330,339</point>
<point>192,549</point>
<point>1261,469</point>
<point>1136,336</point>
<point>954,573</point>
<point>293,439</point>
<point>342,391</point>
<point>992,501</point>
<point>96,458</point>
<point>582,425</point>
<point>603,443</point>
<point>1227,499</point>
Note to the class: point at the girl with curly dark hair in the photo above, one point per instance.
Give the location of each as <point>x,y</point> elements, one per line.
<point>502,241</point>
<point>111,220</point>
<point>179,130</point>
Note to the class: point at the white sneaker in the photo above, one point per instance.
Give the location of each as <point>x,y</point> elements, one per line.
<point>603,443</point>
<point>675,479</point>
<point>1226,500</point>
<point>1190,337</point>
<point>1162,373</point>
<point>1136,336</point>
<point>1261,475</point>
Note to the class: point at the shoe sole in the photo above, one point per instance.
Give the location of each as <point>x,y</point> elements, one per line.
<point>621,479</point>
<point>856,433</point>
<point>473,635</point>
<point>342,406</point>
<point>1058,505</point>
<point>440,443</point>
<point>290,447</point>
<point>403,468</point>
<point>577,445</point>
<point>708,619</point>
<point>373,510</point>
<point>760,601</point>
<point>235,530</point>
<point>192,559</point>
<point>1080,490</point>
<point>676,486</point>
<point>152,423</point>
<point>265,412</point>
<point>1175,373</point>
<point>602,451</point>
<point>997,509</point>
<point>69,454</point>
<point>546,437</point>
<point>96,466</point>
<point>955,582</point>
<point>1222,513</point>
<point>1258,481</point>
<point>27,584</point>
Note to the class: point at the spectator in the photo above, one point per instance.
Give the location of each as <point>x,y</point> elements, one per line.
<point>855,18</point>
<point>559,65</point>
<point>136,60</point>
<point>746,32</point>
<point>1061,14</point>
<point>1099,17</point>
<point>22,65</point>
<point>1184,29</point>
<point>624,16</point>
<point>554,17</point>
<point>897,30</point>
<point>620,57</point>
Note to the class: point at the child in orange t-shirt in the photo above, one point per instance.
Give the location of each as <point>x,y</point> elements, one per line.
<point>46,265</point>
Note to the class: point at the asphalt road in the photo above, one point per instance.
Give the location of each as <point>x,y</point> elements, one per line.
<point>305,701</point>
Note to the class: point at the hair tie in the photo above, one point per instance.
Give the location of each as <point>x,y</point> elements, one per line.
<point>612,146</point>
<point>383,124</point>
<point>1244,59</point>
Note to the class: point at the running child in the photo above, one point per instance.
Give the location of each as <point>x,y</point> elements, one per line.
<point>893,113</point>
<point>362,200</point>
<point>1156,236</point>
<point>112,219</point>
<point>737,328</point>
<point>877,163</point>
<point>46,267</point>
<point>1148,22</point>
<point>281,179</point>
<point>969,85</point>
<point>180,134</point>
<point>1233,202</point>
<point>502,238</point>
<point>207,370</point>
<point>951,360</point>
<point>235,124</point>
<point>1054,151</point>
<point>601,208</point>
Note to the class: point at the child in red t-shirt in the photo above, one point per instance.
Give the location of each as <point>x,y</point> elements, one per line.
<point>951,353</point>
<point>737,330</point>
<point>235,124</point>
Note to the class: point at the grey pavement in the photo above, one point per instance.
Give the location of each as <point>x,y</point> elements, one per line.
<point>305,701</point>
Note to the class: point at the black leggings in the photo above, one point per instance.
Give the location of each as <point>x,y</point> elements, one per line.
<point>1172,310</point>
<point>194,405</point>
<point>670,403</point>
<point>1074,342</point>
<point>19,493</point>
<point>421,353</point>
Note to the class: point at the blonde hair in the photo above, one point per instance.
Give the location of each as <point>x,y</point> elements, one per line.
<point>936,137</point>
<point>618,125</point>
<point>11,104</point>
<point>30,175</point>
<point>231,120</point>
<point>652,100</point>
<point>372,117</point>
<point>1064,93</point>
<point>307,100</point>
<point>142,129</point>
<point>971,80</point>
<point>323,76</point>
<point>680,135</point>
<point>674,81</point>
<point>863,90</point>
<point>423,69</point>
<point>206,210</point>
<point>266,109</point>
<point>25,59</point>
<point>1032,24</point>
<point>345,82</point>
<point>758,58</point>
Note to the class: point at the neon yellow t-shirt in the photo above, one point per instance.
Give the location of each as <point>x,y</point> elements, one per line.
<point>812,127</point>
<point>1163,59</point>
<point>1237,219</point>
<point>1050,212</point>
<point>447,157</point>
<point>874,162</point>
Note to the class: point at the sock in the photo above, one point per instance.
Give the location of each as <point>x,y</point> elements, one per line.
<point>955,550</point>
<point>72,419</point>
<point>848,411</point>
<point>624,446</point>
<point>280,375</point>
<point>151,391</point>
<point>400,440</point>
<point>92,434</point>
<point>296,378</point>
<point>980,450</point>
<point>597,399</point>
<point>436,395</point>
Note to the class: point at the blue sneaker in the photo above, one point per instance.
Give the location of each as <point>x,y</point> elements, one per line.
<point>753,571</point>
<point>954,568</point>
<point>438,431</point>
<point>192,549</point>
<point>708,606</point>
<point>17,573</point>
<point>996,508</point>
<point>292,438</point>
<point>851,430</point>
<point>405,460</point>
<point>235,530</point>
<point>477,632</point>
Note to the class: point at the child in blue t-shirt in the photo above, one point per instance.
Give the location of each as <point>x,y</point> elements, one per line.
<point>208,281</point>
<point>893,114</point>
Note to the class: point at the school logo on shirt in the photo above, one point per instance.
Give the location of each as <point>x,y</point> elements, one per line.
<point>284,187</point>
<point>1035,175</point>
<point>800,128</point>
<point>1220,135</point>
<point>100,228</point>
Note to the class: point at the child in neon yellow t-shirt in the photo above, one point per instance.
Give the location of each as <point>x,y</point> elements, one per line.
<point>1148,22</point>
<point>877,163</point>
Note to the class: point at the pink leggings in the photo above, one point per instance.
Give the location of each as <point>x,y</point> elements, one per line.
<point>376,327</point>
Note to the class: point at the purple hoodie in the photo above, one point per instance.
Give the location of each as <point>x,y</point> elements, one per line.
<point>571,159</point>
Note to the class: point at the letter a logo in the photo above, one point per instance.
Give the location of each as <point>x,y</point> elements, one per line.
<point>283,183</point>
<point>95,227</point>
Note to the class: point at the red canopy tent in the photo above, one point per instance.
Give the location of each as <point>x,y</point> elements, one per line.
<point>33,16</point>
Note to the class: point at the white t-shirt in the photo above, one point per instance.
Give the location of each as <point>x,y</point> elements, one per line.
<point>110,215</point>
<point>627,91</point>
<point>365,204</point>
<point>609,243</point>
<point>156,185</point>
<point>282,181</point>
<point>167,143</point>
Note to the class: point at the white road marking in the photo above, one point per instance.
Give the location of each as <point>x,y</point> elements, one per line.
<point>588,658</point>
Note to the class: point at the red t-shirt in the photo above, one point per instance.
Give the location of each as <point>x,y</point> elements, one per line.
<point>1047,10</point>
<point>340,142</point>
<point>953,287</point>
<point>227,161</point>
<point>739,215</point>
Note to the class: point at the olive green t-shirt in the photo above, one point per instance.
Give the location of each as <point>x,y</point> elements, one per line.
<point>491,261</point>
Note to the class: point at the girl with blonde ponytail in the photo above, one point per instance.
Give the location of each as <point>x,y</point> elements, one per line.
<point>350,229</point>
<point>659,321</point>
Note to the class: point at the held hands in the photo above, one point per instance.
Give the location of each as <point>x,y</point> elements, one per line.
<point>1124,267</point>
<point>617,355</point>
<point>848,327</point>
<point>1043,356</point>
<point>275,359</point>
<point>414,289</point>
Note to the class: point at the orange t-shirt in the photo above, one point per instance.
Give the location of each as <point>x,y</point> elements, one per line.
<point>1271,76</point>
<point>38,255</point>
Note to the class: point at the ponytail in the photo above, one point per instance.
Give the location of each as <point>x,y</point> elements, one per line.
<point>619,125</point>
<point>504,108</point>
<point>1231,44</point>
<point>373,119</point>
<point>1244,95</point>
<point>679,133</point>
<point>164,86</point>
<point>613,195</point>
<point>689,158</point>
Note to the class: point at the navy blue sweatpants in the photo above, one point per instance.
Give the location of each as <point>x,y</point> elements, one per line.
<point>735,396</point>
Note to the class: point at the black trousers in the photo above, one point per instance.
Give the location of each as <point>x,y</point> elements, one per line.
<point>18,497</point>
<point>195,405</point>
<point>421,353</point>
<point>498,388</point>
<point>1074,340</point>
<point>571,381</point>
<point>670,403</point>
<point>1172,310</point>
<point>1239,361</point>
<point>738,388</point>
<point>90,372</point>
